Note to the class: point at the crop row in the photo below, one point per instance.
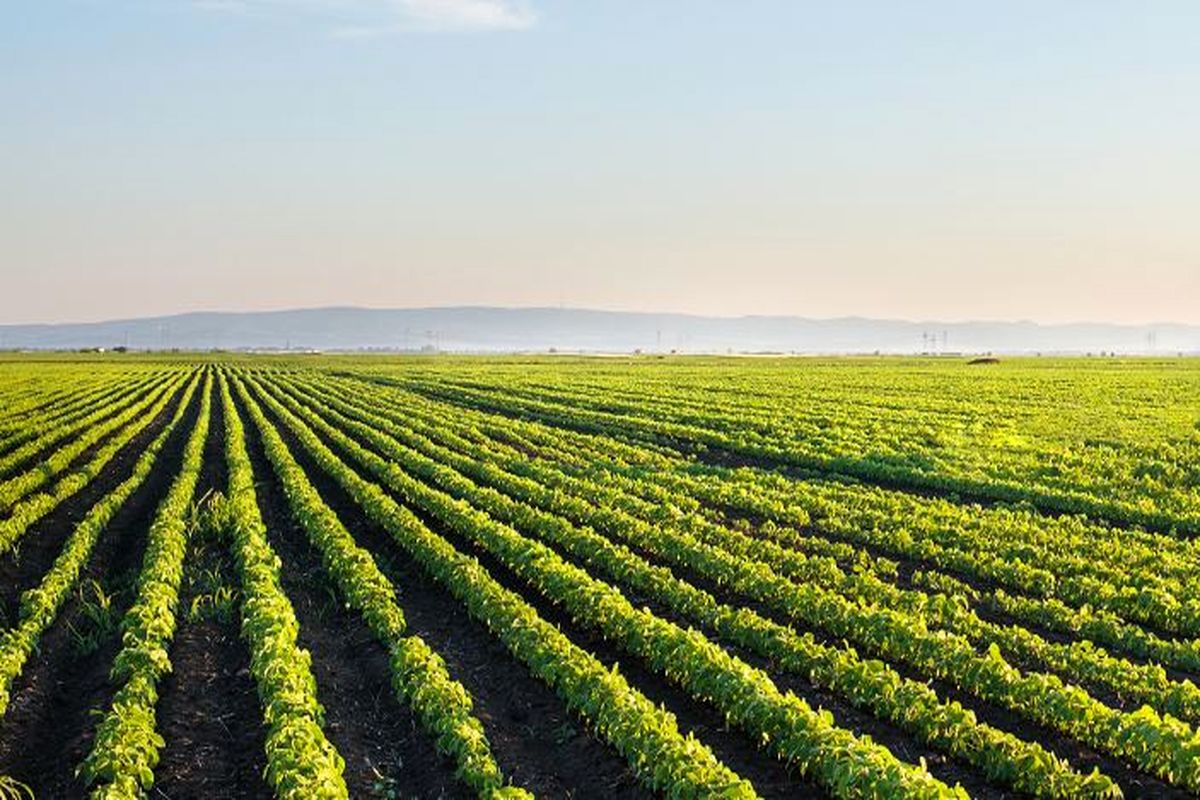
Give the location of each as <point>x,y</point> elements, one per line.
<point>32,433</point>
<point>40,605</point>
<point>419,675</point>
<point>1156,744</point>
<point>644,734</point>
<point>866,516</point>
<point>127,743</point>
<point>787,726</point>
<point>1148,683</point>
<point>33,507</point>
<point>841,443</point>
<point>301,762</point>
<point>871,685</point>
<point>93,430</point>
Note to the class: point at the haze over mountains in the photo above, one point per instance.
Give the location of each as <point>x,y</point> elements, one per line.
<point>485,329</point>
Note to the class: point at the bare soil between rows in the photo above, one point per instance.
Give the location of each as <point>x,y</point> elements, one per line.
<point>208,709</point>
<point>51,720</point>
<point>381,740</point>
<point>35,552</point>
<point>539,744</point>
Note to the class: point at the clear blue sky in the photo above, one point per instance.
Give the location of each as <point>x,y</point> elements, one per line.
<point>947,160</point>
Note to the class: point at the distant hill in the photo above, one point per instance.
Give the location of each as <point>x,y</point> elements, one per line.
<point>482,329</point>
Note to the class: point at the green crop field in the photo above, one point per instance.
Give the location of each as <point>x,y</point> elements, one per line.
<point>626,577</point>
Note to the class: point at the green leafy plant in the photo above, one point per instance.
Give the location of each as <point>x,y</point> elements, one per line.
<point>96,619</point>
<point>13,789</point>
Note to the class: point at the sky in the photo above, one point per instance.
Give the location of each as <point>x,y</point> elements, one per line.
<point>917,160</point>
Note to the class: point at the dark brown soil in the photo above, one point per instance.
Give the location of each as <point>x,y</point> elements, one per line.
<point>24,567</point>
<point>208,709</point>
<point>50,723</point>
<point>908,566</point>
<point>211,719</point>
<point>899,742</point>
<point>90,451</point>
<point>381,740</point>
<point>770,778</point>
<point>47,401</point>
<point>538,742</point>
<point>1133,783</point>
<point>896,740</point>
<point>208,713</point>
<point>116,406</point>
<point>16,435</point>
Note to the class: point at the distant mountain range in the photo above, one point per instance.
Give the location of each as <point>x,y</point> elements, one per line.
<point>483,329</point>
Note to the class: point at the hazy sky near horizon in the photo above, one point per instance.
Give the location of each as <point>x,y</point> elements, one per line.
<point>920,160</point>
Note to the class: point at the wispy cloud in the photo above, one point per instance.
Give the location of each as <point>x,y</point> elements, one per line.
<point>379,17</point>
<point>468,14</point>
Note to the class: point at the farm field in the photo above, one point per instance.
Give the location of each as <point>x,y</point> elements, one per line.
<point>626,577</point>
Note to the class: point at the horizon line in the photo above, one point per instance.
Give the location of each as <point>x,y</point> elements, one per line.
<point>587,309</point>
